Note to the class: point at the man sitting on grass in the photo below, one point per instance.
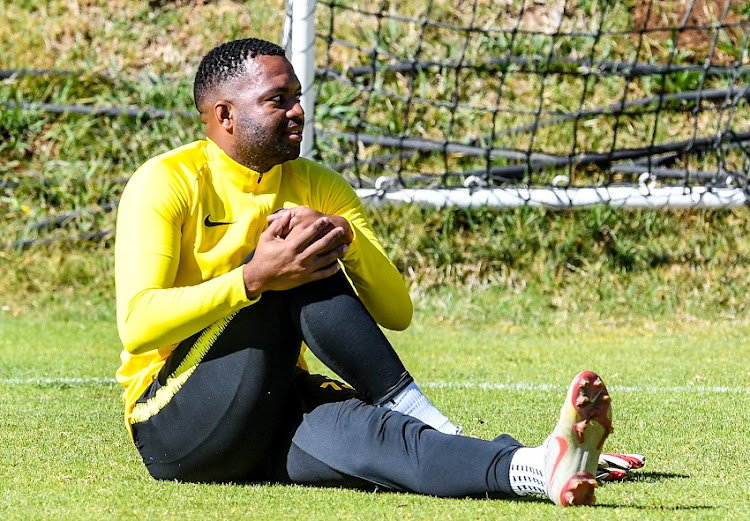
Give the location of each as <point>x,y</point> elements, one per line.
<point>230,253</point>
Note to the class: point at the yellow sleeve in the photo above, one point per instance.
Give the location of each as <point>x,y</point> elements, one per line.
<point>151,313</point>
<point>379,284</point>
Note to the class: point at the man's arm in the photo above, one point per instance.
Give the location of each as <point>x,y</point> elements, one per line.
<point>378,283</point>
<point>151,312</point>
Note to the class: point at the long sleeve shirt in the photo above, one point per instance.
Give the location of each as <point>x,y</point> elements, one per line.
<point>186,221</point>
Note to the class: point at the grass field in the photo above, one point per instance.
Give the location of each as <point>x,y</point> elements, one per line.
<point>681,396</point>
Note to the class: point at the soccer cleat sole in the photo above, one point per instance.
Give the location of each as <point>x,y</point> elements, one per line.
<point>608,474</point>
<point>579,490</point>
<point>575,444</point>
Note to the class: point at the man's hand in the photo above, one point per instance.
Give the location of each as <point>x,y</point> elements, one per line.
<point>290,254</point>
<point>302,216</point>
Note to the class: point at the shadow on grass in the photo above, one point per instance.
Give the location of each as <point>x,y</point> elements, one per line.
<point>620,506</point>
<point>652,477</point>
<point>662,508</point>
<point>647,477</point>
<point>635,477</point>
<point>534,498</point>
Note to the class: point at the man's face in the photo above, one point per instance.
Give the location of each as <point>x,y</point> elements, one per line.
<point>269,118</point>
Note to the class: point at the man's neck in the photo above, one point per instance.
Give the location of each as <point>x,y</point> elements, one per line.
<point>242,159</point>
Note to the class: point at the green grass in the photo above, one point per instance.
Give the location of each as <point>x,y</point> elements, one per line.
<point>655,301</point>
<point>66,455</point>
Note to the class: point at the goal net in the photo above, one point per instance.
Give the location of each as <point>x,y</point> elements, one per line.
<point>513,102</point>
<point>501,103</point>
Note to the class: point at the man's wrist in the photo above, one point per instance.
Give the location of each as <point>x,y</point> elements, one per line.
<point>253,287</point>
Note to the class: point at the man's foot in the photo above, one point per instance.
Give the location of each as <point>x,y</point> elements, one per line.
<point>572,450</point>
<point>615,466</point>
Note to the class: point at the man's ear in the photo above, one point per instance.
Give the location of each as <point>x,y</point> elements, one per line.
<point>224,115</point>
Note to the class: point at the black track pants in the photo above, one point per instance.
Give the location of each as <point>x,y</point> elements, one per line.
<point>230,405</point>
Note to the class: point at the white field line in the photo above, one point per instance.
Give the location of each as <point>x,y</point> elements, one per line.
<point>43,380</point>
<point>696,389</point>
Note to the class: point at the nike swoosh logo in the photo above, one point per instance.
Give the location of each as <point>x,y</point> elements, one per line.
<point>208,222</point>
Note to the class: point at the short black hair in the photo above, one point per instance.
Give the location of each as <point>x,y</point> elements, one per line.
<point>227,61</point>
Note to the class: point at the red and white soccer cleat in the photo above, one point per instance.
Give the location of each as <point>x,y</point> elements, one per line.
<point>615,467</point>
<point>572,450</point>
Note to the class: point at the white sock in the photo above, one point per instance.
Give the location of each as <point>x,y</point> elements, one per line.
<point>411,401</point>
<point>527,471</point>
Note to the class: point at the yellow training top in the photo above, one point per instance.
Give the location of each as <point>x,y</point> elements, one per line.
<point>189,217</point>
